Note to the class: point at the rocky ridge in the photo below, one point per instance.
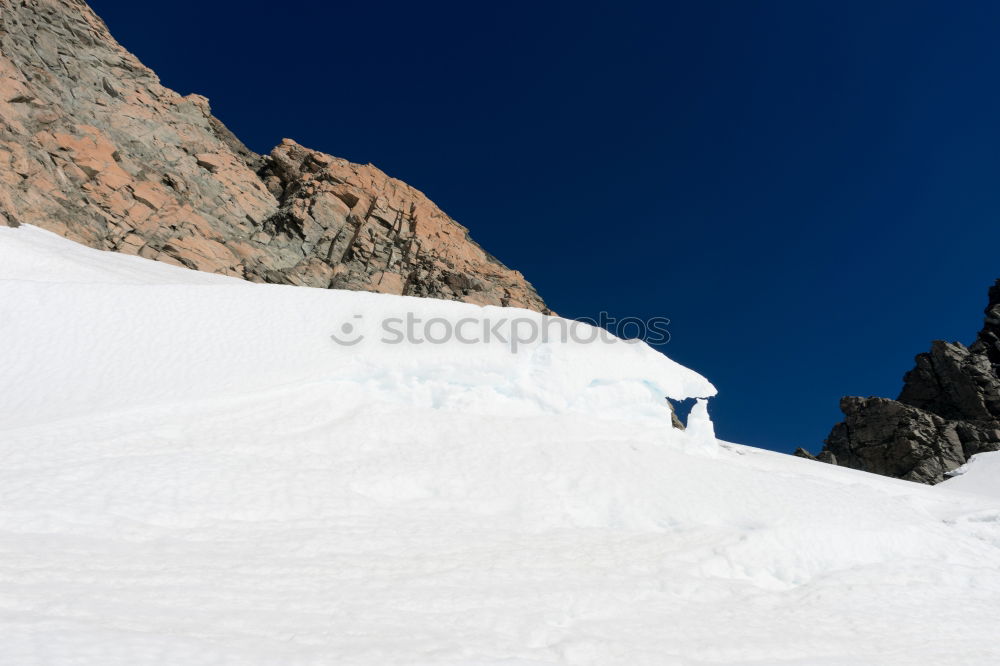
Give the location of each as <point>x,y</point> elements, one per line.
<point>948,411</point>
<point>92,147</point>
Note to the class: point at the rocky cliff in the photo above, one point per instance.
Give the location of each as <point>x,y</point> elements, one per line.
<point>92,147</point>
<point>948,410</point>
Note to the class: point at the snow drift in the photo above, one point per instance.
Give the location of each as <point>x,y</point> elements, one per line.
<point>104,331</point>
<point>981,475</point>
<point>196,473</point>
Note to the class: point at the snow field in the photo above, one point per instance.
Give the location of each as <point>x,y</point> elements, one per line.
<point>195,473</point>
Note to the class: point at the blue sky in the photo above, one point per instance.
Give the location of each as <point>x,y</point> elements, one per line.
<point>809,191</point>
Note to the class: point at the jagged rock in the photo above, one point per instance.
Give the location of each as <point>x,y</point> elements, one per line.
<point>675,420</point>
<point>948,411</point>
<point>890,438</point>
<point>92,147</point>
<point>822,456</point>
<point>954,382</point>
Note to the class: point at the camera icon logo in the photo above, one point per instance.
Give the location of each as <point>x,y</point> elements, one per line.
<point>350,334</point>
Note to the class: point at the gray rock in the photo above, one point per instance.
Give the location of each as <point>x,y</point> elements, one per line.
<point>675,420</point>
<point>948,411</point>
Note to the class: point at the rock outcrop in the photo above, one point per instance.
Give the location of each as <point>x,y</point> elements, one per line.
<point>948,411</point>
<point>92,147</point>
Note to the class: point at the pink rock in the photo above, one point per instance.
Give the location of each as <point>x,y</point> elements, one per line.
<point>95,149</point>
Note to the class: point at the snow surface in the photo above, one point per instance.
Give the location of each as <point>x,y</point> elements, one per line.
<point>981,475</point>
<point>194,472</point>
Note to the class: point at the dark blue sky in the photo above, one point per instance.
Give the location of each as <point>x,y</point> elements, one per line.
<point>808,190</point>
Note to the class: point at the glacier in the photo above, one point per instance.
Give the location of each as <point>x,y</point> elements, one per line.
<point>196,473</point>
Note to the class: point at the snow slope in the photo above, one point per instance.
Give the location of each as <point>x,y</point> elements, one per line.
<point>981,475</point>
<point>194,472</point>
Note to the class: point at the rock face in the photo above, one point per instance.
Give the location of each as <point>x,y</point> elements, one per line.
<point>948,411</point>
<point>92,147</point>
